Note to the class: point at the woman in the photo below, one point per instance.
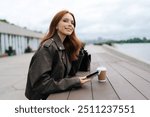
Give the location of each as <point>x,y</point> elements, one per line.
<point>50,66</point>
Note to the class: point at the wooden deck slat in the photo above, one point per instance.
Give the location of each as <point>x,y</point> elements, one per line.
<point>123,88</point>
<point>59,96</point>
<point>135,80</point>
<point>83,93</point>
<point>119,83</point>
<point>103,91</point>
<point>142,73</point>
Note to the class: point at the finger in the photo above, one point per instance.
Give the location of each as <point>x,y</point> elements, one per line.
<point>83,78</point>
<point>87,80</point>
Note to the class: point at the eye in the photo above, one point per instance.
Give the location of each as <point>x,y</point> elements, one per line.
<point>65,20</point>
<point>72,22</point>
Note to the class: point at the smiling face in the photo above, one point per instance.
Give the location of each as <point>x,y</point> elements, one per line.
<point>65,26</point>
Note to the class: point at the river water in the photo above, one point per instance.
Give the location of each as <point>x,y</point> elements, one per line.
<point>138,50</point>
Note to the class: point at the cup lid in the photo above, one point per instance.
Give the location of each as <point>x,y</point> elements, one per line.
<point>101,68</point>
<point>102,80</point>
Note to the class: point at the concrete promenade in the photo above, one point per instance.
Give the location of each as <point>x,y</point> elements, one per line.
<point>13,75</point>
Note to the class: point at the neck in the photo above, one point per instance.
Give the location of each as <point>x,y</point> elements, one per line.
<point>62,37</point>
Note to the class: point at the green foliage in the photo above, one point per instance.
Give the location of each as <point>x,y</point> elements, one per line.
<point>131,40</point>
<point>3,20</point>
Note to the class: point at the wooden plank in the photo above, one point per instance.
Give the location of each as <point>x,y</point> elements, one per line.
<point>138,71</point>
<point>107,57</point>
<point>59,96</point>
<point>83,93</point>
<point>141,85</point>
<point>118,82</point>
<point>124,89</point>
<point>103,91</point>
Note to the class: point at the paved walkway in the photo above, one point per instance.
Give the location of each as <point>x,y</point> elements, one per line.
<point>13,72</point>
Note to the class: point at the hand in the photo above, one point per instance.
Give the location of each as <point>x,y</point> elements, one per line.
<point>84,79</point>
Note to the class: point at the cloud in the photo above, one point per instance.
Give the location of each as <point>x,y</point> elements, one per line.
<point>95,18</point>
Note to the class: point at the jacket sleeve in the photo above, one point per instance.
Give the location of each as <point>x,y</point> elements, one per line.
<point>39,74</point>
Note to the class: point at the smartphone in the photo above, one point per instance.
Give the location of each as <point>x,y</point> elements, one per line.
<point>92,74</point>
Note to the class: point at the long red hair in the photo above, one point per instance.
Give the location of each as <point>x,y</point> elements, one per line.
<point>72,44</point>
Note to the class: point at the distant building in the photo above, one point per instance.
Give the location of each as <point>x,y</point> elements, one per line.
<point>17,38</point>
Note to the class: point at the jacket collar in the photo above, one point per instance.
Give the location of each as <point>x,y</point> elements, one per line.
<point>58,42</point>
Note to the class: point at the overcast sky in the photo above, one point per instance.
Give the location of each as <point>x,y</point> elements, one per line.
<point>113,19</point>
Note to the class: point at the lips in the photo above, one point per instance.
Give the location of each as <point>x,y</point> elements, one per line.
<point>69,29</point>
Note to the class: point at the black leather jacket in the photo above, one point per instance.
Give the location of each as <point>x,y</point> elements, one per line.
<point>48,71</point>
